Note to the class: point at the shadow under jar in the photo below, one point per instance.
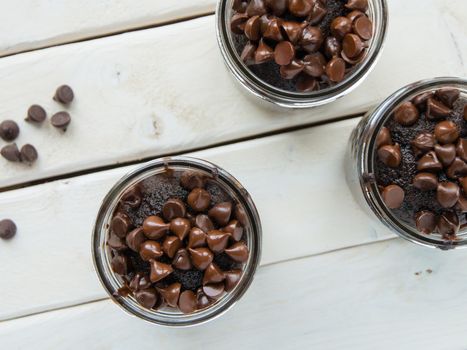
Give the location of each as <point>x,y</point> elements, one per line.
<point>177,241</point>
<point>301,53</point>
<point>407,164</point>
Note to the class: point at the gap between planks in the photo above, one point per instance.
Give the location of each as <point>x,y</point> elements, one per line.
<point>308,256</point>
<point>171,154</point>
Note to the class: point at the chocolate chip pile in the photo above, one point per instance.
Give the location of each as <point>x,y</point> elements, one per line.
<point>301,45</point>
<point>177,240</point>
<point>421,162</point>
<point>9,129</point>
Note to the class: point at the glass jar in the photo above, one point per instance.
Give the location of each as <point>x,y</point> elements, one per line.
<point>378,14</point>
<point>102,255</point>
<point>361,164</point>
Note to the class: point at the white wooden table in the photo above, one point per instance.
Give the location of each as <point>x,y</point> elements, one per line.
<point>149,81</point>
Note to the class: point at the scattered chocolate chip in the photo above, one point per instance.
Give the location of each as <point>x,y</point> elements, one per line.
<point>252,28</point>
<point>436,109</point>
<point>390,155</point>
<point>147,297</point>
<point>201,257</point>
<point>191,180</point>
<point>7,229</point>
<point>406,114</point>
<point>213,290</point>
<point>420,101</point>
<point>425,181</point>
<point>425,222</point>
<point>132,197</point>
<point>383,138</point>
<point>264,53</point>
<point>284,53</point>
<point>135,239</point>
<point>221,212</point>
<point>155,228</point>
<point>361,5</point>
<point>446,153</point>
<point>180,227</point>
<point>181,260</point>
<point>235,230</point>
<point>171,294</point>
<point>461,149</point>
<point>273,30</point>
<point>213,274</point>
<point>429,162</point>
<point>204,223</point>
<point>311,39</point>
<point>28,154</point>
<point>202,299</point>
<point>448,224</point>
<point>9,130</point>
<point>199,199</point>
<point>448,96</point>
<point>174,208</point>
<point>293,30</point>
<point>171,245</point>
<point>238,252</point>
<point>196,238</point>
<point>306,83</point>
<point>446,132</point>
<point>64,94</point>
<point>159,271</point>
<point>217,240</point>
<point>300,8</point>
<point>335,69</point>
<point>332,47</point>
<point>277,6</point>
<point>61,120</point>
<point>393,196</point>
<point>291,70</point>
<point>447,194</point>
<point>314,64</point>
<point>116,242</point>
<point>363,27</point>
<point>352,45</point>
<point>187,302</point>
<point>423,142</point>
<point>119,264</point>
<point>232,278</point>
<point>149,250</point>
<point>11,153</point>
<point>140,281</point>
<point>36,114</point>
<point>237,23</point>
<point>340,26</point>
<point>457,169</point>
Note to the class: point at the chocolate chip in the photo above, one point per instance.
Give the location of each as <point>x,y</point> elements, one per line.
<point>235,230</point>
<point>252,28</point>
<point>335,69</point>
<point>171,245</point>
<point>461,149</point>
<point>300,8</point>
<point>135,239</point>
<point>238,252</point>
<point>311,39</point>
<point>406,114</point>
<point>355,14</point>
<point>181,260</point>
<point>204,223</point>
<point>446,132</point>
<point>61,120</point>
<point>420,101</point>
<point>132,197</point>
<point>436,109</point>
<point>120,224</point>
<point>36,114</point>
<point>383,138</point>
<point>340,26</point>
<point>284,53</point>
<point>429,162</point>
<point>171,294</point>
<point>425,222</point>
<point>187,302</point>
<point>154,227</point>
<point>199,199</point>
<point>447,194</point>
<point>180,227</point>
<point>9,130</point>
<point>150,250</point>
<point>390,155</point>
<point>446,153</point>
<point>7,229</point>
<point>116,242</point>
<point>457,169</point>
<point>213,274</point>
<point>237,22</point>
<point>332,47</point>
<point>213,290</point>
<point>196,238</point>
<point>11,153</point>
<point>422,143</point>
<point>174,208</point>
<point>64,94</point>
<point>425,181</point>
<point>147,297</point>
<point>247,56</point>
<point>273,32</point>
<point>393,196</point>
<point>239,5</point>
<point>190,180</point>
<point>140,281</point>
<point>159,271</point>
<point>277,6</point>
<point>28,154</point>
<point>448,96</point>
<point>352,45</point>
<point>462,204</point>
<point>221,212</point>
<point>202,299</point>
<point>361,5</point>
<point>363,27</point>
<point>241,215</point>
<point>314,64</point>
<point>448,224</point>
<point>318,12</point>
<point>291,70</point>
<point>119,264</point>
<point>232,278</point>
<point>305,83</point>
<point>293,30</point>
<point>217,240</point>
<point>201,257</point>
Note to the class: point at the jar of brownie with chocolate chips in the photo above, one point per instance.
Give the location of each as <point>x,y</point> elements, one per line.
<point>300,53</point>
<point>408,162</point>
<point>177,241</point>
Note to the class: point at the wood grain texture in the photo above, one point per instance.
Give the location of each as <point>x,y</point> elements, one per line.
<point>166,90</point>
<point>388,295</point>
<point>297,184</point>
<point>31,24</point>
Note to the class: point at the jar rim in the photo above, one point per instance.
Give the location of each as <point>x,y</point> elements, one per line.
<point>290,99</point>
<point>373,121</point>
<point>109,280</point>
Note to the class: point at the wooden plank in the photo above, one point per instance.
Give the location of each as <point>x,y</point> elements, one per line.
<point>165,90</point>
<point>29,24</point>
<point>367,297</point>
<point>295,174</point>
